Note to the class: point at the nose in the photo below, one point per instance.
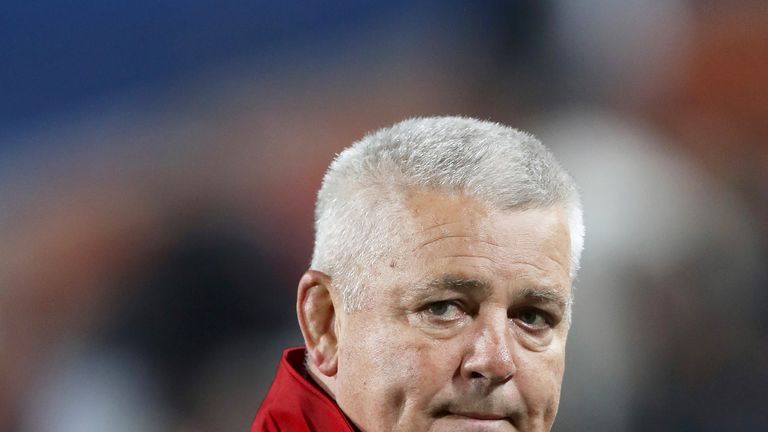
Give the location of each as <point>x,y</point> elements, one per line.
<point>491,353</point>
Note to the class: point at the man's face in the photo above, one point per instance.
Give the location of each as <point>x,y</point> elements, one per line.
<point>466,326</point>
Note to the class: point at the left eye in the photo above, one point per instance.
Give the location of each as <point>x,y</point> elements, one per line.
<point>442,308</point>
<point>532,318</point>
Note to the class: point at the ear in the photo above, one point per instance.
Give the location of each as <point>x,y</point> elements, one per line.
<point>317,318</point>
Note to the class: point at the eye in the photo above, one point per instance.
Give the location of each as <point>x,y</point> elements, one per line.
<point>442,308</point>
<point>443,312</point>
<point>439,308</point>
<point>533,318</point>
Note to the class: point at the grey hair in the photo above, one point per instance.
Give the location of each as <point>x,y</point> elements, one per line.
<point>359,215</point>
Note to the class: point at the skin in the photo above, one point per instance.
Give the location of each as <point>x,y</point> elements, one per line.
<point>466,330</point>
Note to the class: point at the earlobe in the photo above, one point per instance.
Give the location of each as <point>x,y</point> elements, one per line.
<point>317,318</point>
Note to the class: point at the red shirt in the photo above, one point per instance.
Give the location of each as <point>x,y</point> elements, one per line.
<point>295,403</point>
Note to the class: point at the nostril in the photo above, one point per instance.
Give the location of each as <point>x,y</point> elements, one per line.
<point>476,375</point>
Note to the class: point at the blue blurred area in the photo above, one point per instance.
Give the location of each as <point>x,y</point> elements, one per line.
<point>58,56</point>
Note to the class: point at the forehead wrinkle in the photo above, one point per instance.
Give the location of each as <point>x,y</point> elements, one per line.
<point>532,263</point>
<point>437,226</point>
<point>442,237</point>
<point>472,256</point>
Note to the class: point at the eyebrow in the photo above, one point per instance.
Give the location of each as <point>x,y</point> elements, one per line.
<point>544,295</point>
<point>452,282</point>
<point>539,294</point>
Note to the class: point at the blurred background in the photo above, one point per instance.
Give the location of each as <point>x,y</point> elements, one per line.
<point>159,162</point>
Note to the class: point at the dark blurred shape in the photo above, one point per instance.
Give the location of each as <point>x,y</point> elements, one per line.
<point>213,287</point>
<point>706,333</point>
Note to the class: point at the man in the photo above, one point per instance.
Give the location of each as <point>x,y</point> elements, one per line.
<point>439,294</point>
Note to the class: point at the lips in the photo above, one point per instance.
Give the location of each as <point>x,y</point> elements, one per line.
<point>480,416</point>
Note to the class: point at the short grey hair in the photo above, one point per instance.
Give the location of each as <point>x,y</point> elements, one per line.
<point>360,206</point>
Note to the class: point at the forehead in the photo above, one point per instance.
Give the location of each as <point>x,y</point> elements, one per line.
<point>458,235</point>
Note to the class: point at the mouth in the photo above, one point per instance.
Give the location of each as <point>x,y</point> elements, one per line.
<point>479,416</point>
<point>487,418</point>
<point>477,422</point>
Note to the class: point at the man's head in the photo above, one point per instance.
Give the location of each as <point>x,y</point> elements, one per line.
<point>440,289</point>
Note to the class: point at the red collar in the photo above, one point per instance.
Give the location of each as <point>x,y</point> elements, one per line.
<point>296,403</point>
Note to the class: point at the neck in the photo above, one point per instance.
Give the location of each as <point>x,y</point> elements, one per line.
<point>321,380</point>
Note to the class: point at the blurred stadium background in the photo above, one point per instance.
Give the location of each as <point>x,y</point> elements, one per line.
<point>158,165</point>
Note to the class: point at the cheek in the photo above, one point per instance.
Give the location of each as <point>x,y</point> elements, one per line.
<point>392,376</point>
<point>385,363</point>
<point>540,383</point>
